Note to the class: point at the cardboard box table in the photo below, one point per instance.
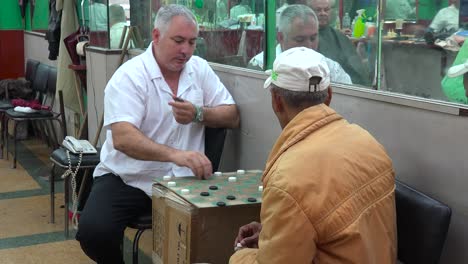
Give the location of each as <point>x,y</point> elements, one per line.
<point>196,221</point>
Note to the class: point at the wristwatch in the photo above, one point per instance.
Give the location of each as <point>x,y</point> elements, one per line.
<point>198,114</point>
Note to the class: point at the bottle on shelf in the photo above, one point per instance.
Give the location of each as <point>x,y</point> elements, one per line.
<point>346,21</point>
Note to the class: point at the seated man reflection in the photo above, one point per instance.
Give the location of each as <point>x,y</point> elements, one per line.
<point>337,46</point>
<point>299,28</point>
<point>242,8</point>
<point>117,23</point>
<point>446,20</point>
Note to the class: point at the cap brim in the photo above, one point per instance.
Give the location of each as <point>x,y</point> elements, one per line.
<point>267,83</point>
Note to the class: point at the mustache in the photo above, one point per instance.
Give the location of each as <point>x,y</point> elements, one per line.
<point>182,56</point>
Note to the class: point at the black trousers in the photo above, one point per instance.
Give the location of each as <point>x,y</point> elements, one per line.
<point>111,205</point>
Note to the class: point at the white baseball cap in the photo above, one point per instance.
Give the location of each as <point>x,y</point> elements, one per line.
<point>293,69</point>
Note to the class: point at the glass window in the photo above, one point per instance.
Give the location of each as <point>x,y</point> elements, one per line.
<point>418,49</point>
<point>231,31</point>
<point>321,25</point>
<point>406,49</point>
<point>112,22</point>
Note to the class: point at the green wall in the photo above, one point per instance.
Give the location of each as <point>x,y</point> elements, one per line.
<point>10,15</point>
<point>427,9</point>
<point>41,15</point>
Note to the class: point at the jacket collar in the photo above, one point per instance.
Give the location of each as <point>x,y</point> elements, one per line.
<point>305,123</point>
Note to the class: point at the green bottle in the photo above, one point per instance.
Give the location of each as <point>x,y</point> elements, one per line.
<point>359,26</point>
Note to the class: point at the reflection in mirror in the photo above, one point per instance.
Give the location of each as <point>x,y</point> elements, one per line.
<point>230,31</point>
<point>351,51</point>
<point>416,53</point>
<point>96,17</point>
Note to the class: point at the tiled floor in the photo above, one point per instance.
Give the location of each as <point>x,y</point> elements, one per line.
<point>26,234</point>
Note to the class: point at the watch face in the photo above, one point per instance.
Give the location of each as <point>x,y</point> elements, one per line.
<point>201,114</point>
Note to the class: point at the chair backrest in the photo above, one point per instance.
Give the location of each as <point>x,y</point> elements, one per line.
<point>49,98</point>
<point>422,224</point>
<point>214,144</point>
<point>31,68</point>
<point>39,85</point>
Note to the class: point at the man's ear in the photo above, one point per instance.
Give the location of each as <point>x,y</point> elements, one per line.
<point>156,34</point>
<point>277,102</point>
<point>280,37</point>
<point>329,97</point>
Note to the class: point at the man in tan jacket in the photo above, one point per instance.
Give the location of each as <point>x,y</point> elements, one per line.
<point>328,185</point>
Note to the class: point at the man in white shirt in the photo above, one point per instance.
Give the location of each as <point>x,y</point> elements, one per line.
<point>447,19</point>
<point>156,107</point>
<point>117,23</point>
<point>241,9</point>
<point>298,27</point>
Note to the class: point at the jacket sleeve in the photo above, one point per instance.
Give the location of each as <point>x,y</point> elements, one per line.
<point>287,235</point>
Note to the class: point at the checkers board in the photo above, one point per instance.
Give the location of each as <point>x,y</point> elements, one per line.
<point>196,221</point>
<point>216,189</point>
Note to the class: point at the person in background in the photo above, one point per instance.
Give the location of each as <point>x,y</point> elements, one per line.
<point>337,46</point>
<point>299,28</point>
<point>156,108</point>
<point>241,9</point>
<point>285,4</point>
<point>117,23</point>
<point>399,9</point>
<point>221,10</point>
<point>446,20</point>
<point>337,205</point>
<point>98,16</point>
<point>455,83</point>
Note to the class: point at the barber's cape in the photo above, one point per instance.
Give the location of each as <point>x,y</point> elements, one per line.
<point>453,87</point>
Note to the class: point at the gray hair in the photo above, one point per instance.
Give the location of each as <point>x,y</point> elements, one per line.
<point>116,14</point>
<point>295,11</point>
<point>300,100</point>
<point>166,13</point>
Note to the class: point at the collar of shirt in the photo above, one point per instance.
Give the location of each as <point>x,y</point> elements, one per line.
<point>154,71</point>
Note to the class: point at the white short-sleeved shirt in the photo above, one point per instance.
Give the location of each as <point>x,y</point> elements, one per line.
<point>337,73</point>
<point>137,93</point>
<point>447,18</point>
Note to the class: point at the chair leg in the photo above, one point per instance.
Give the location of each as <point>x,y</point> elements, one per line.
<point>2,138</point>
<point>15,125</point>
<point>52,194</point>
<point>66,194</point>
<point>135,245</point>
<point>5,132</point>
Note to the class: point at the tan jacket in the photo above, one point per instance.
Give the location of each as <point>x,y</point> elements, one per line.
<point>328,196</point>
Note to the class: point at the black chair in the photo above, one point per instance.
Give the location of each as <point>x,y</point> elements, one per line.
<point>59,158</point>
<point>214,144</point>
<point>422,224</point>
<point>44,86</point>
<point>5,104</point>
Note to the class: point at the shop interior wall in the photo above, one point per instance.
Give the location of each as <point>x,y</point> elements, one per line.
<point>425,145</point>
<point>11,40</point>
